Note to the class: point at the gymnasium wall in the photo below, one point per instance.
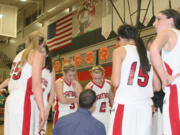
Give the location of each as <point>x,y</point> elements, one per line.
<point>10,48</point>
<point>81,48</point>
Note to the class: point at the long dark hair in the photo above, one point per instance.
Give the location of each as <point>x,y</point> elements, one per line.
<point>171,13</point>
<point>130,32</point>
<point>48,61</point>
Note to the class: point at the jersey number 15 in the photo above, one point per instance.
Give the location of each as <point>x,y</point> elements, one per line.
<point>143,77</point>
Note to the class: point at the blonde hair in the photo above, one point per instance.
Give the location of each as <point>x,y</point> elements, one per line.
<point>32,43</point>
<point>69,67</point>
<point>97,69</point>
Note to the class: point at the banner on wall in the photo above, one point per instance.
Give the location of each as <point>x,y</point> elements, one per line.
<point>106,18</point>
<point>60,33</point>
<point>88,59</point>
<point>86,15</point>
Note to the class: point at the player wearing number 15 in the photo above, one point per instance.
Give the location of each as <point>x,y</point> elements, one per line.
<point>25,85</point>
<point>104,94</point>
<point>67,92</point>
<point>132,75</point>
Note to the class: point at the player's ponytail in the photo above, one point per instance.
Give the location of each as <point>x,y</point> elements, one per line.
<point>129,32</point>
<point>142,52</point>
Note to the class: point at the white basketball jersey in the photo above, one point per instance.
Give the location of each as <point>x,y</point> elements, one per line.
<point>102,96</point>
<point>19,78</point>
<point>69,92</point>
<point>46,85</point>
<point>134,85</point>
<point>171,122</point>
<point>171,58</point>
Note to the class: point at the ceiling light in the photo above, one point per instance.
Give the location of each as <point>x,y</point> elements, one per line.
<point>50,10</point>
<point>23,0</point>
<point>1,15</point>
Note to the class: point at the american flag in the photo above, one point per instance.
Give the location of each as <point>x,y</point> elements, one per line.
<point>60,33</point>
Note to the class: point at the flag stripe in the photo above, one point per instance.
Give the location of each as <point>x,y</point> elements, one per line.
<point>60,42</point>
<point>54,48</point>
<point>57,48</point>
<point>57,27</point>
<point>69,34</point>
<point>63,44</point>
<point>64,18</point>
<point>63,33</point>
<point>60,35</point>
<point>65,22</point>
<point>64,27</point>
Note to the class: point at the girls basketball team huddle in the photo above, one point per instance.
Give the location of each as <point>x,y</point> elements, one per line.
<point>136,74</point>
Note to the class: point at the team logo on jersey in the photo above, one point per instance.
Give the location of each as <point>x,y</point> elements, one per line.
<point>69,94</point>
<point>102,95</point>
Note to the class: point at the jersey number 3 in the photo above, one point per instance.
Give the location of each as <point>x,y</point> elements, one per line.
<point>143,77</point>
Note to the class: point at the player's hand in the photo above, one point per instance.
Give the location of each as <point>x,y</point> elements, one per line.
<point>168,79</point>
<point>76,100</point>
<point>154,108</point>
<point>41,118</point>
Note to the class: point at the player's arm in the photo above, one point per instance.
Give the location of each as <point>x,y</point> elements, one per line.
<point>4,83</point>
<point>111,96</point>
<point>77,87</point>
<point>52,95</point>
<point>118,56</point>
<point>59,92</point>
<point>162,39</point>
<point>156,82</point>
<point>37,64</point>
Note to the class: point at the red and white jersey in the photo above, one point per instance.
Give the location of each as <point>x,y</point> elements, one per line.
<point>102,96</point>
<point>19,78</point>
<point>19,99</point>
<point>69,92</point>
<point>46,85</point>
<point>134,85</point>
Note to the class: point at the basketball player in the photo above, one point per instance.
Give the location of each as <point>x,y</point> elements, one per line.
<point>167,26</point>
<point>104,94</point>
<point>132,75</point>
<point>48,77</point>
<point>48,80</point>
<point>67,91</point>
<point>25,75</point>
